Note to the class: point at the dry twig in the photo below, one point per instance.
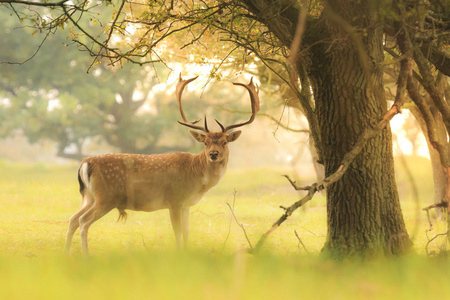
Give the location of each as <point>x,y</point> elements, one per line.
<point>237,222</point>
<point>300,241</point>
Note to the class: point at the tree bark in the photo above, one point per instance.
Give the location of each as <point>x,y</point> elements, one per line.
<point>363,209</point>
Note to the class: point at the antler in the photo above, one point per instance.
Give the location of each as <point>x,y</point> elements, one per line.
<point>253,91</point>
<point>179,91</point>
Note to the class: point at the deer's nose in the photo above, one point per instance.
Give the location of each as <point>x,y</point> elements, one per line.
<point>213,154</point>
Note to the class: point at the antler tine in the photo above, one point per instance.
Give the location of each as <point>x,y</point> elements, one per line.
<point>206,125</point>
<point>221,126</point>
<point>179,92</point>
<point>253,91</point>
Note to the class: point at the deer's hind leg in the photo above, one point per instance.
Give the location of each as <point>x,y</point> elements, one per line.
<point>74,221</point>
<point>94,213</point>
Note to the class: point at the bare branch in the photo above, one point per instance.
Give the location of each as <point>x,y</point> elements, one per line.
<point>237,221</point>
<point>110,33</point>
<point>32,56</point>
<point>441,204</point>
<point>32,3</point>
<point>438,58</point>
<point>294,185</point>
<point>300,241</point>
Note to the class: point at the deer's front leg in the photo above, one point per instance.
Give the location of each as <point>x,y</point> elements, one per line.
<point>175,218</point>
<point>185,225</point>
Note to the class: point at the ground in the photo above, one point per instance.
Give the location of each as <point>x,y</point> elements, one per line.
<point>137,259</point>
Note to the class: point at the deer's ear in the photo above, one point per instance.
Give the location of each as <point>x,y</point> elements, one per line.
<point>198,136</point>
<point>233,136</point>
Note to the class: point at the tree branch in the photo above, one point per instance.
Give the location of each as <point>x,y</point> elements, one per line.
<point>430,85</point>
<point>31,3</point>
<point>438,58</point>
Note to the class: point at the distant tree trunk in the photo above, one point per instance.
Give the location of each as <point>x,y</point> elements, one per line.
<point>439,177</point>
<point>78,156</point>
<point>363,208</point>
<point>318,167</point>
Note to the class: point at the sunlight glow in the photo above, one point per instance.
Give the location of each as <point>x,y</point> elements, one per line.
<point>397,122</point>
<point>115,38</point>
<point>5,102</point>
<point>131,28</point>
<point>118,98</point>
<point>203,70</point>
<point>401,142</point>
<point>54,104</point>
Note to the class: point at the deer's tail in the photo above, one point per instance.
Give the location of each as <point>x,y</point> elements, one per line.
<point>122,215</point>
<point>84,172</point>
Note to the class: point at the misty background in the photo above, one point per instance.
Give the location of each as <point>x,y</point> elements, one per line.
<point>53,111</point>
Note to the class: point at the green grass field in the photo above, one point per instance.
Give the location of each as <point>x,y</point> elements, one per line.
<point>137,260</point>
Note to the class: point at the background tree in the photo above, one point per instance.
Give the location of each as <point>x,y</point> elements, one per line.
<point>52,97</point>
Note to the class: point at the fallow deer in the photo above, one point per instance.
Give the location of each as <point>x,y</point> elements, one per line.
<point>148,183</point>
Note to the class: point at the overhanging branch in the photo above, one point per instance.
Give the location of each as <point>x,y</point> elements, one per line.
<point>31,3</point>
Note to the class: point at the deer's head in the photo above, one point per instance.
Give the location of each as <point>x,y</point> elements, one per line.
<point>216,143</point>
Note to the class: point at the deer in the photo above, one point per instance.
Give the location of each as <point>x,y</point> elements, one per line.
<point>173,181</point>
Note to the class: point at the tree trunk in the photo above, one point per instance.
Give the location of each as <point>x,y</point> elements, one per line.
<point>363,209</point>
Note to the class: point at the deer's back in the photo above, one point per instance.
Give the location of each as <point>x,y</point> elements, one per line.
<point>142,182</point>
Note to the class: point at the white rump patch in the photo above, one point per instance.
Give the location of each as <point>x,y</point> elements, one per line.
<point>84,174</point>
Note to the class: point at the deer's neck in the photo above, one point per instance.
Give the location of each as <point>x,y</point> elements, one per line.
<point>211,172</point>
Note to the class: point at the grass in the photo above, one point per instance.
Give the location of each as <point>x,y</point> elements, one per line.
<point>137,260</point>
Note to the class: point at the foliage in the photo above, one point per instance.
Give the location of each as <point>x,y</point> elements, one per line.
<point>52,97</point>
<point>205,32</point>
